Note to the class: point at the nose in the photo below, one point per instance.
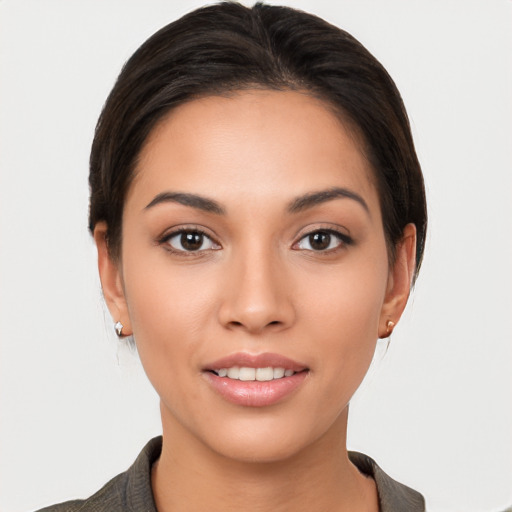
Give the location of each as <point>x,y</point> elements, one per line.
<point>257,295</point>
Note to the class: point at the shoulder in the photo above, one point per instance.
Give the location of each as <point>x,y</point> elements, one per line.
<point>393,496</point>
<point>109,497</point>
<point>128,491</point>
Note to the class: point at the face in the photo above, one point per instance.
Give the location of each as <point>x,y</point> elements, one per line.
<point>254,273</point>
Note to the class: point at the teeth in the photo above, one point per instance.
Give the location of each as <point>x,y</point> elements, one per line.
<point>251,374</point>
<point>233,372</point>
<point>247,374</point>
<point>280,372</point>
<point>263,374</point>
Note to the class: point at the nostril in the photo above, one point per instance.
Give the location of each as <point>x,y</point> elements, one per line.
<point>237,324</point>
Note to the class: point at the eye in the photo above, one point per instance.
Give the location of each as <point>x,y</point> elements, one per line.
<point>323,240</point>
<point>190,241</point>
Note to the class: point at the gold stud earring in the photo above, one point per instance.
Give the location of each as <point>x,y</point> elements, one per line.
<point>390,325</point>
<point>119,328</point>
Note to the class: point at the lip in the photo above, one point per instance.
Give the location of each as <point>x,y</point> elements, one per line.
<point>256,361</point>
<point>255,393</point>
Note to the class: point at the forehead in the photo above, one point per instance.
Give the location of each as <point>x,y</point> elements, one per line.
<point>252,142</point>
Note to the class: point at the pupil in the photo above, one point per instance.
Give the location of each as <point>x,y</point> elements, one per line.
<point>191,241</point>
<point>320,240</point>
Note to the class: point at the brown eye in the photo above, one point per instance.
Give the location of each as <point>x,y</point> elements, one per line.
<point>323,241</point>
<point>191,241</point>
<point>319,241</point>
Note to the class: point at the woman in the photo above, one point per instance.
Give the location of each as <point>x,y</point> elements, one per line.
<point>259,214</point>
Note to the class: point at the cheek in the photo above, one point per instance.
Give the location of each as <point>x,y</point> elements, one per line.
<point>348,299</point>
<point>344,309</point>
<point>162,294</point>
<point>170,310</point>
<point>168,305</point>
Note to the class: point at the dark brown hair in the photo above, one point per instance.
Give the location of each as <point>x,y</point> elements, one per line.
<point>229,47</point>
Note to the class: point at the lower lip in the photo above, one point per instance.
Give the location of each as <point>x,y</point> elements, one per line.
<point>255,393</point>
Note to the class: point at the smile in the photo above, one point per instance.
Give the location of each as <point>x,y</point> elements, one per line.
<point>245,373</point>
<point>255,380</point>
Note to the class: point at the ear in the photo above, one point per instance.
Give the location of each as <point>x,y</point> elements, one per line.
<point>399,282</point>
<point>111,280</point>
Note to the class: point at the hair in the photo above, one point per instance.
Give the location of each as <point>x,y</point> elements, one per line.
<point>226,48</point>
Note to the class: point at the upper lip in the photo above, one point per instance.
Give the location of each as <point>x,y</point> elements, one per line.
<point>265,360</point>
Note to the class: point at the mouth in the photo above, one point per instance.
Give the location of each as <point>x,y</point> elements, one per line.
<point>248,374</point>
<point>255,380</point>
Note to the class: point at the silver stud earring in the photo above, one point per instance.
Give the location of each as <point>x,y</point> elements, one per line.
<point>119,328</point>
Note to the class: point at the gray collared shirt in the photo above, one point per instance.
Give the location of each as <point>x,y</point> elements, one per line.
<point>131,491</point>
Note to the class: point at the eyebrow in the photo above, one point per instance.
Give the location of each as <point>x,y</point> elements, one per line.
<point>299,204</point>
<point>315,198</point>
<point>193,200</point>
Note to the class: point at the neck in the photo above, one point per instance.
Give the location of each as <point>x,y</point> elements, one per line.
<point>189,476</point>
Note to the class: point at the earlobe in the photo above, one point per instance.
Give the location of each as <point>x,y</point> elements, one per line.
<point>399,282</point>
<point>111,280</point>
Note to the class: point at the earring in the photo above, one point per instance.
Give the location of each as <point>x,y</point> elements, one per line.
<point>390,325</point>
<point>119,328</point>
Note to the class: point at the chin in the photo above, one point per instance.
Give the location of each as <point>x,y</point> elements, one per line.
<point>270,438</point>
<point>262,449</point>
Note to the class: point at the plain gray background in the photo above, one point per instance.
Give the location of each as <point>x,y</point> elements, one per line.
<point>435,411</point>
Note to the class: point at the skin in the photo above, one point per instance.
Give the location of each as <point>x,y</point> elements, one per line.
<point>259,286</point>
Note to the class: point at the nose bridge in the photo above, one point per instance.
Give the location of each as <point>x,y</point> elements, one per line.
<point>258,295</point>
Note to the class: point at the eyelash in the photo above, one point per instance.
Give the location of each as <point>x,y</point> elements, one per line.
<point>165,240</point>
<point>343,241</point>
